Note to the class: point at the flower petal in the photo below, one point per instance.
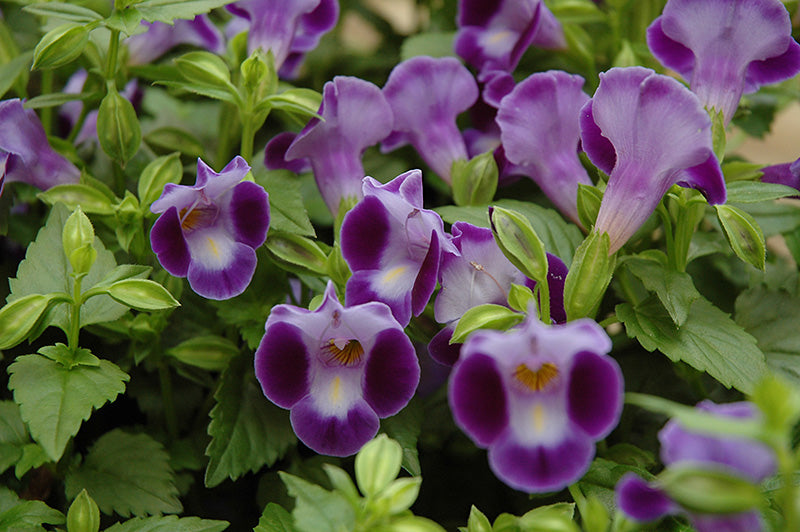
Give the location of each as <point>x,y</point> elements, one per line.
<point>440,348</point>
<point>249,210</point>
<point>169,244</point>
<point>392,373</point>
<point>275,154</point>
<point>478,398</point>
<point>365,234</point>
<point>392,287</point>
<point>221,268</point>
<point>281,363</point>
<point>595,393</point>
<point>333,435</point>
<point>640,501</point>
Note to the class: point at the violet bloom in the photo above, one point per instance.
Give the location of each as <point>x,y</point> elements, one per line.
<point>337,369</point>
<point>725,48</point>
<point>287,27</point>
<point>209,232</point>
<point>160,38</point>
<point>540,131</point>
<point>787,174</point>
<point>25,154</point>
<point>426,95</point>
<point>751,460</point>
<point>393,246</point>
<point>477,273</point>
<point>538,397</point>
<point>355,116</point>
<point>648,132</point>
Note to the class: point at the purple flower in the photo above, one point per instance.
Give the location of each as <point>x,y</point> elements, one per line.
<point>25,154</point>
<point>209,232</point>
<point>160,38</point>
<point>287,27</point>
<point>648,132</point>
<point>540,131</point>
<point>787,174</point>
<point>338,369</point>
<point>537,397</point>
<point>493,35</point>
<point>355,116</point>
<point>393,246</point>
<point>748,459</point>
<point>426,95</point>
<point>725,47</point>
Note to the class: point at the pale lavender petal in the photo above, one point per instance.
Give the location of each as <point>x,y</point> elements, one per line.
<point>549,32</point>
<point>220,270</point>
<point>740,522</point>
<point>392,373</point>
<point>595,394</point>
<point>314,24</point>
<point>275,155</point>
<point>281,364</point>
<point>249,211</point>
<point>160,38</point>
<point>478,398</point>
<point>641,501</point>
<point>169,244</point>
<point>217,183</point>
<point>391,287</point>
<point>333,435</point>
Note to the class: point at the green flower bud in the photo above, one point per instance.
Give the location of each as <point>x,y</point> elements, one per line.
<point>156,175</point>
<point>18,317</point>
<point>487,316</point>
<point>83,514</point>
<point>474,181</point>
<point>478,522</point>
<point>400,494</point>
<point>204,68</point>
<point>588,204</point>
<point>212,353</point>
<point>77,238</point>
<point>259,77</point>
<point>60,46</point>
<point>142,294</point>
<point>519,242</point>
<point>377,464</point>
<point>117,127</point>
<point>298,251</point>
<point>744,235</point>
<point>709,490</point>
<point>588,277</point>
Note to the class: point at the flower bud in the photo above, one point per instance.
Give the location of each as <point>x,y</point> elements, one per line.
<point>377,464</point>
<point>83,514</point>
<point>60,46</point>
<point>588,277</point>
<point>205,352</point>
<point>117,127</point>
<point>474,181</point>
<point>519,242</point>
<point>744,235</point>
<point>77,238</point>
<point>259,77</point>
<point>709,490</point>
<point>204,68</point>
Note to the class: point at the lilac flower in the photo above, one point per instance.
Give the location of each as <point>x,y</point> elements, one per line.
<point>209,232</point>
<point>337,369</point>
<point>275,154</point>
<point>25,154</point>
<point>493,35</point>
<point>725,48</point>
<point>355,116</point>
<point>393,246</point>
<point>287,27</point>
<point>748,459</point>
<point>426,95</point>
<point>160,38</point>
<point>476,273</point>
<point>540,131</point>
<point>787,174</point>
<point>648,132</point>
<point>537,397</point>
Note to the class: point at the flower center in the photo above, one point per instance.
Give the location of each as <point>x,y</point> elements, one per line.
<point>342,352</point>
<point>537,380</point>
<point>198,216</point>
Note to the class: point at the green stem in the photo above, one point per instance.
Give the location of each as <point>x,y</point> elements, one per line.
<point>248,137</point>
<point>168,399</point>
<point>75,324</point>
<point>788,493</point>
<point>666,221</point>
<point>47,112</point>
<point>111,58</point>
<point>544,301</point>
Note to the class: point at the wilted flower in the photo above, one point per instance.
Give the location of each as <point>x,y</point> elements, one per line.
<point>25,154</point>
<point>426,95</point>
<point>393,246</point>
<point>540,131</point>
<point>209,232</point>
<point>745,458</point>
<point>538,397</point>
<point>648,132</point>
<point>338,369</point>
<point>355,116</point>
<point>725,48</point>
<point>160,38</point>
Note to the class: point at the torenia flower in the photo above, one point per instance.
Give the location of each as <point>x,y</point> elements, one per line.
<point>338,369</point>
<point>540,130</point>
<point>287,27</point>
<point>426,95</point>
<point>209,232</point>
<point>355,116</point>
<point>25,154</point>
<point>160,38</point>
<point>393,246</point>
<point>748,459</point>
<point>537,397</point>
<point>725,48</point>
<point>648,132</point>
<point>787,174</point>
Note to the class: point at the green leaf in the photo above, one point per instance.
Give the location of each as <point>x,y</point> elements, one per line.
<point>169,523</point>
<point>17,515</point>
<point>169,10</point>
<point>128,474</point>
<point>773,318</point>
<point>708,490</point>
<point>247,431</point>
<point>303,103</point>
<point>55,99</point>
<point>64,11</point>
<point>286,207</point>
<point>127,21</point>
<point>172,139</point>
<point>209,91</point>
<point>487,316</point>
<point>275,519</point>
<point>46,270</point>
<point>741,171</point>
<point>142,294</point>
<point>774,217</point>
<point>156,175</point>
<point>405,428</point>
<point>88,198</point>
<point>13,435</point>
<point>54,400</point>
<point>674,289</point>
<point>11,71</point>
<point>32,456</point>
<point>433,44</point>
<point>705,341</point>
<point>743,234</point>
<point>122,272</point>
<point>756,191</point>
<point>316,509</point>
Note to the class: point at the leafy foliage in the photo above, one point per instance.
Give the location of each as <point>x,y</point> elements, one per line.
<point>317,509</point>
<point>18,514</point>
<point>168,523</point>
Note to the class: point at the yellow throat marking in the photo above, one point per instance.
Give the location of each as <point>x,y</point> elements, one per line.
<point>213,247</point>
<point>336,390</point>
<point>537,380</point>
<point>348,354</point>
<point>392,274</point>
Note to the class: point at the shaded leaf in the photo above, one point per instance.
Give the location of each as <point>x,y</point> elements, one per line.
<point>168,523</point>
<point>317,509</point>
<point>286,203</point>
<point>275,519</point>
<point>17,515</point>
<point>674,289</point>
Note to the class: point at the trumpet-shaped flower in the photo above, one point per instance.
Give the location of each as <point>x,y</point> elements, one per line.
<point>787,174</point>
<point>25,154</point>
<point>160,38</point>
<point>725,48</point>
<point>648,132</point>
<point>287,27</point>
<point>209,232</point>
<point>355,116</point>
<point>538,397</point>
<point>426,95</point>
<point>748,459</point>
<point>540,131</point>
<point>393,246</point>
<point>337,369</point>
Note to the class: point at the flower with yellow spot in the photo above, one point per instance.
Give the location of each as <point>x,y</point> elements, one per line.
<point>337,369</point>
<point>537,397</point>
